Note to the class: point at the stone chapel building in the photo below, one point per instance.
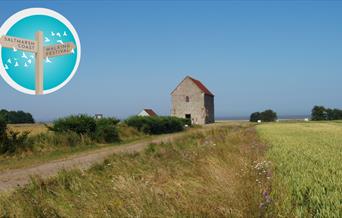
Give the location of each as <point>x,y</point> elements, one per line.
<point>192,100</point>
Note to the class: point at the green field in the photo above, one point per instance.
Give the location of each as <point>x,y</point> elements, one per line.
<point>307,168</point>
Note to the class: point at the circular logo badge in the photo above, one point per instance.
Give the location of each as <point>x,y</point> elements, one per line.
<point>39,51</point>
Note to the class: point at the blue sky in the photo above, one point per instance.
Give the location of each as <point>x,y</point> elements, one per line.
<point>253,55</point>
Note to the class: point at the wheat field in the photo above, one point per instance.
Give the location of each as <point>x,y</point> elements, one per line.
<point>307,168</point>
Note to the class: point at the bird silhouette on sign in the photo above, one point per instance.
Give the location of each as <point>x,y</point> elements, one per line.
<point>25,65</point>
<point>64,34</point>
<point>6,67</point>
<point>16,64</point>
<point>47,39</point>
<point>14,49</point>
<point>60,41</point>
<point>48,60</point>
<point>52,33</point>
<point>24,55</point>
<point>58,34</point>
<point>9,61</point>
<point>29,61</point>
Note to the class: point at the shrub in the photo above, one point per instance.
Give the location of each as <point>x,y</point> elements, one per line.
<point>157,125</point>
<point>3,128</point>
<point>12,141</point>
<point>265,116</point>
<point>80,124</point>
<point>102,130</point>
<point>106,130</point>
<point>16,141</point>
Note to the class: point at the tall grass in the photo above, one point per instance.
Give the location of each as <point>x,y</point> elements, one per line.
<point>307,168</point>
<point>206,173</point>
<point>43,146</point>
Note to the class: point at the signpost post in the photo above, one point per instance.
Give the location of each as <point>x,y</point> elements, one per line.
<point>41,52</point>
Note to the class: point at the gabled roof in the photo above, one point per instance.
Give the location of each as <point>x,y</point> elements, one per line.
<point>150,112</point>
<point>199,84</point>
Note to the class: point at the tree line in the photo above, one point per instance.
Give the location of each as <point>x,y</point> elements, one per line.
<point>322,113</point>
<point>14,117</point>
<point>265,116</point>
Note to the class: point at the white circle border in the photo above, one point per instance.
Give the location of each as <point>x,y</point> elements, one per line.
<point>30,12</point>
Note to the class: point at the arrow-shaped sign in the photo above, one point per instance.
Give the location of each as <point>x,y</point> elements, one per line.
<point>59,50</point>
<point>18,43</point>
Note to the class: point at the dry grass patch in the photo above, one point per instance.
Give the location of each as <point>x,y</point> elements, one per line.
<point>34,129</point>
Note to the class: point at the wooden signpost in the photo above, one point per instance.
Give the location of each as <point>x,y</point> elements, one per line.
<point>41,52</point>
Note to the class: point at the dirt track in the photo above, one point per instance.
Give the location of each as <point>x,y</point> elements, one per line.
<point>12,178</point>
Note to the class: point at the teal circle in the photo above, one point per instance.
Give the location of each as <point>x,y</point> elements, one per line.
<point>57,70</point>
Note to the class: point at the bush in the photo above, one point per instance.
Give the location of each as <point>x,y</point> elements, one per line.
<point>12,141</point>
<point>106,130</point>
<point>3,129</point>
<point>265,116</point>
<point>157,125</point>
<point>102,130</point>
<point>80,124</point>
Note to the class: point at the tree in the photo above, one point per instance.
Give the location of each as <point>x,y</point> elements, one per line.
<point>319,113</point>
<point>268,116</point>
<point>16,116</point>
<point>255,117</point>
<point>265,116</point>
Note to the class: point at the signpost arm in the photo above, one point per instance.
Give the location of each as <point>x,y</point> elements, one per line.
<point>39,63</point>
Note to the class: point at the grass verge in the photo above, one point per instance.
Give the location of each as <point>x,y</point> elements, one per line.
<point>209,172</point>
<point>43,152</point>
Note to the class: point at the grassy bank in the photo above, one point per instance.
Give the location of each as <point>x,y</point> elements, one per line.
<point>307,168</point>
<point>208,172</point>
<point>43,151</point>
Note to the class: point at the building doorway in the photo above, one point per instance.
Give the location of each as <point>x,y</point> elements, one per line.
<point>188,116</point>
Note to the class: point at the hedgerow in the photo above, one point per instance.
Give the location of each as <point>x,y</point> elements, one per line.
<point>157,124</point>
<point>102,130</point>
